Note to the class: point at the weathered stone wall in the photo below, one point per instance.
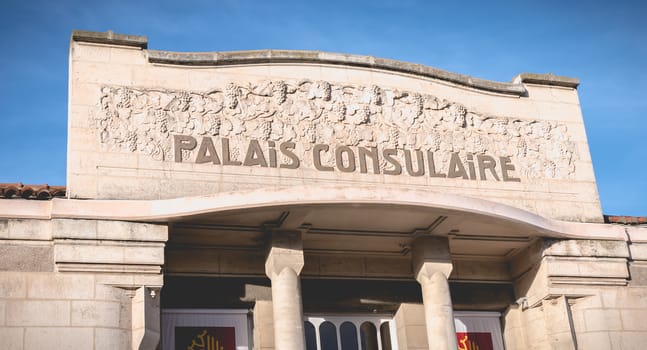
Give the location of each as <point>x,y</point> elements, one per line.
<point>612,319</point>
<point>145,126</point>
<point>263,325</point>
<point>65,311</point>
<point>577,294</point>
<point>79,284</point>
<point>411,327</point>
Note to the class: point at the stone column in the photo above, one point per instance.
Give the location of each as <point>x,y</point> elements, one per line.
<point>432,265</point>
<point>283,266</point>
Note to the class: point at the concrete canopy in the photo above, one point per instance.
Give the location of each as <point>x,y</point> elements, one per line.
<point>464,215</point>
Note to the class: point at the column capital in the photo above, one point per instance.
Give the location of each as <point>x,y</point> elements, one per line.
<point>285,251</point>
<point>429,256</point>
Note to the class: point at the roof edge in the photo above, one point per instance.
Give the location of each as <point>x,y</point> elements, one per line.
<point>625,220</point>
<point>225,58</point>
<point>38,192</point>
<point>110,37</point>
<point>546,79</point>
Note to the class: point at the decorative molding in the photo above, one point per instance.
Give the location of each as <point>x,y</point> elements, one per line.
<point>588,281</point>
<point>108,268</point>
<point>319,112</point>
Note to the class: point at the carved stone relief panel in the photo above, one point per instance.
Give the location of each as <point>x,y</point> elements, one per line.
<point>308,113</point>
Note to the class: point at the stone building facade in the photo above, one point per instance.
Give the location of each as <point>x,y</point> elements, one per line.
<point>309,200</point>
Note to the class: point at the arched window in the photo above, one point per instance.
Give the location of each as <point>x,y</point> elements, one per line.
<point>349,332</point>
<point>369,336</point>
<point>348,335</point>
<point>311,336</point>
<point>328,335</point>
<point>385,334</point>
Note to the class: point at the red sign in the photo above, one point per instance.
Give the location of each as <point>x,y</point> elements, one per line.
<point>474,341</point>
<point>205,338</point>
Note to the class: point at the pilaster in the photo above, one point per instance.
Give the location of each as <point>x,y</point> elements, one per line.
<point>145,319</point>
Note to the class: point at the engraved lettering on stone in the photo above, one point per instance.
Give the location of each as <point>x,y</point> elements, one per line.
<point>318,112</point>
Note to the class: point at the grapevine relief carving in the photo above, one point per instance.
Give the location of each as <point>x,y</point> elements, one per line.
<point>308,112</point>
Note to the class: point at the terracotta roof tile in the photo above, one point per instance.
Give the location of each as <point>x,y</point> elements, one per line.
<point>19,190</point>
<point>626,220</point>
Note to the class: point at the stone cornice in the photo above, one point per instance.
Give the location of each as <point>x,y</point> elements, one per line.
<point>318,57</point>
<point>515,88</point>
<point>546,79</point>
<point>110,38</point>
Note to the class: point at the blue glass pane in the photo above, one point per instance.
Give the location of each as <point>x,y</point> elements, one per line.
<point>311,336</point>
<point>328,334</point>
<point>385,333</point>
<point>369,336</point>
<point>348,335</point>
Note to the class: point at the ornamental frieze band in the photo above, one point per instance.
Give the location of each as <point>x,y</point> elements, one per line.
<point>312,113</point>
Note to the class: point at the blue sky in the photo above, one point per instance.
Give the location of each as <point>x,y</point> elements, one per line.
<point>604,44</point>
